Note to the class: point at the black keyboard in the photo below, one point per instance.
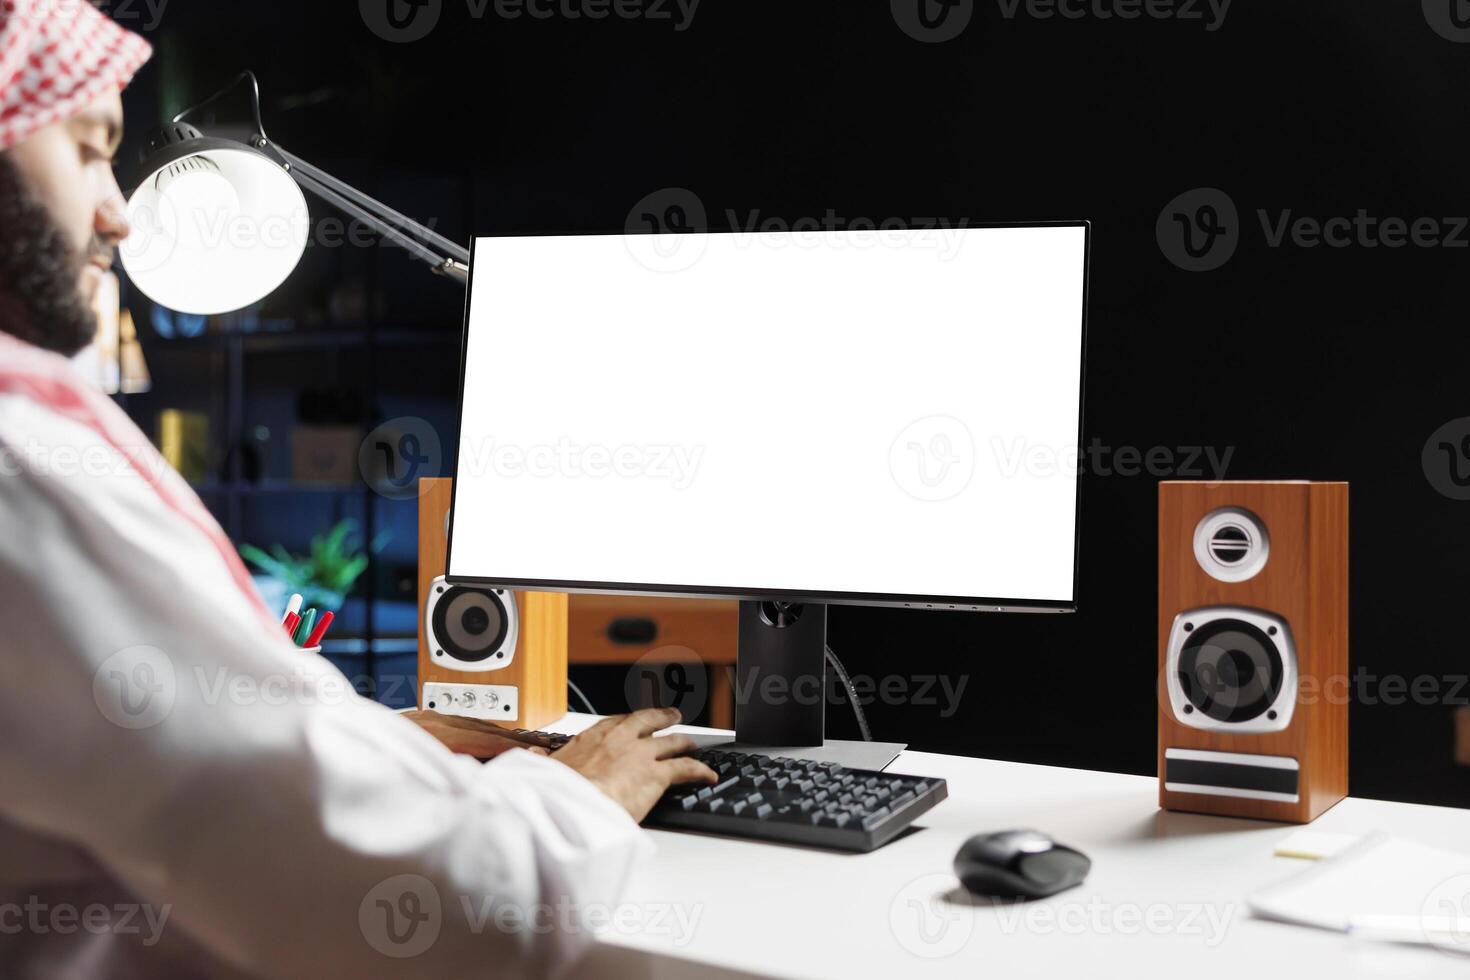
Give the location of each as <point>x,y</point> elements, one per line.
<point>794,801</point>
<point>791,801</point>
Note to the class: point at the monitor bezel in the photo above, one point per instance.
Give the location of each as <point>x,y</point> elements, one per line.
<point>874,599</point>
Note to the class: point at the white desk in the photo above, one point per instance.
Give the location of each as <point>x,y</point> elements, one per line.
<point>1166,896</point>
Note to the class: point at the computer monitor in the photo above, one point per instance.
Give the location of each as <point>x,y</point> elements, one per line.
<point>788,418</point>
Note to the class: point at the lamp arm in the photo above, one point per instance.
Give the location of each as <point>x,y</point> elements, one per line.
<point>452,249</point>
<point>446,257</point>
<point>443,266</point>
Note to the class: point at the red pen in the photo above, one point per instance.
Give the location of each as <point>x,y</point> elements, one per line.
<point>321,630</point>
<point>293,620</point>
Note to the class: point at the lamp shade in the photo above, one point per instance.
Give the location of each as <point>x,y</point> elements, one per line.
<point>216,224</point>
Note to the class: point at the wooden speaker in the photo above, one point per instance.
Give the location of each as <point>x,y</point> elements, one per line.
<point>492,654</point>
<point>1253,648</point>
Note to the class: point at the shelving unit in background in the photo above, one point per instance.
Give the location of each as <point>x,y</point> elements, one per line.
<point>224,358</point>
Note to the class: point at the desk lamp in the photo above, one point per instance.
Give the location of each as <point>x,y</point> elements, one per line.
<point>219,223</point>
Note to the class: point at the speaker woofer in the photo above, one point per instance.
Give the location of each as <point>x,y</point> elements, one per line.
<point>1231,669</point>
<point>469,628</point>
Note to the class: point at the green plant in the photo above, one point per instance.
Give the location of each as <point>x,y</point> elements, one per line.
<point>326,575</point>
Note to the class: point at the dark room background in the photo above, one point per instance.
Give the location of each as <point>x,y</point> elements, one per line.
<point>1297,357</point>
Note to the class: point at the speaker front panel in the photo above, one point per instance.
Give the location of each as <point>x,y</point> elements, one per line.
<point>1252,614</point>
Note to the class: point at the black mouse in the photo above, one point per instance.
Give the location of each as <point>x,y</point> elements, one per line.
<point>1019,864</point>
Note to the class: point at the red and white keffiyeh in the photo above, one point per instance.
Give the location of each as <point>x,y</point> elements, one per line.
<point>57,57</point>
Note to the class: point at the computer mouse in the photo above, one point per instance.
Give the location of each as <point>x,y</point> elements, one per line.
<point>1019,864</point>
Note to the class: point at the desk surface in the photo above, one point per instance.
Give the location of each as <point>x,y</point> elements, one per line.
<point>1166,893</point>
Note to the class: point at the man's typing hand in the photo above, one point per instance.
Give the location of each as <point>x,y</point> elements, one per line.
<point>620,756</point>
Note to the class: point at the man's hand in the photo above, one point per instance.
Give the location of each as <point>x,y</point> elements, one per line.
<point>468,736</point>
<point>621,758</point>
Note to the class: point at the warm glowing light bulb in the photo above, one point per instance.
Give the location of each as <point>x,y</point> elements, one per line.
<point>202,201</point>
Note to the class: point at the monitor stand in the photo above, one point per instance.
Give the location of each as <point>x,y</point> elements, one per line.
<point>781,688</point>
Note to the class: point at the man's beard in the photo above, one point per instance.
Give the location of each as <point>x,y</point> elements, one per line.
<point>40,273</point>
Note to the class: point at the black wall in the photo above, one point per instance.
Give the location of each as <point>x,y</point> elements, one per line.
<point>1304,362</point>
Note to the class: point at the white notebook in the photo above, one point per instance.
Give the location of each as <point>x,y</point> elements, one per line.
<point>1380,879</point>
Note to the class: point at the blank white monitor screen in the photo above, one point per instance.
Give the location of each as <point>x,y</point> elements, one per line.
<point>833,415</point>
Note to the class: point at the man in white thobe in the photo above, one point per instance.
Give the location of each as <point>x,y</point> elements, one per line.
<point>182,791</point>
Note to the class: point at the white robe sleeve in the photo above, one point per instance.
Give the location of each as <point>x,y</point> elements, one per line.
<point>152,716</point>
